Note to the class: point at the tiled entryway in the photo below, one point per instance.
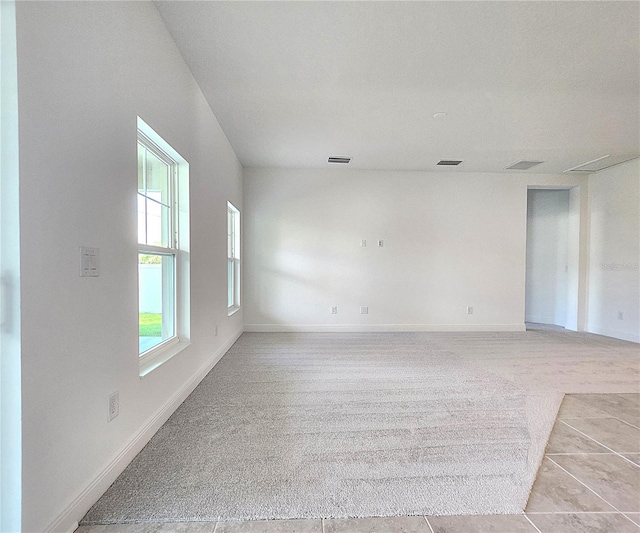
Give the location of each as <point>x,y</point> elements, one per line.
<point>589,482</point>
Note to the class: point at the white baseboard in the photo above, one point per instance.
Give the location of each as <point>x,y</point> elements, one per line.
<point>363,328</point>
<point>73,527</point>
<point>623,336</point>
<point>542,320</point>
<point>67,520</point>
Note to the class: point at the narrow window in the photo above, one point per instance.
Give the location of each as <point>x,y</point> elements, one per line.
<point>163,273</point>
<point>158,246</point>
<point>233,259</point>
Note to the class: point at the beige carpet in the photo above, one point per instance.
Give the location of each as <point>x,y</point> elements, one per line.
<point>547,358</point>
<point>337,425</point>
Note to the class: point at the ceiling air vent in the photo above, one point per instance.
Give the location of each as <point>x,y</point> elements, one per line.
<point>524,165</point>
<point>449,163</point>
<point>603,162</point>
<point>339,159</point>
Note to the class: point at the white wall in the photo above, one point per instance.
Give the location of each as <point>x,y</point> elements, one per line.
<point>547,256</point>
<point>85,71</point>
<point>451,240</point>
<point>614,278</point>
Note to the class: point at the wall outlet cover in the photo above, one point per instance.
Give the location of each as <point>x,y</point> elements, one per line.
<point>114,406</point>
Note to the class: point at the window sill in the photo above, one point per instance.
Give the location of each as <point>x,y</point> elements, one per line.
<point>150,362</point>
<point>233,310</point>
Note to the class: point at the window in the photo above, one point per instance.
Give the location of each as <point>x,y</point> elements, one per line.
<point>233,259</point>
<point>162,239</point>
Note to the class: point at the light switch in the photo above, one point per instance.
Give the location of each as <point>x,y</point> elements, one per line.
<point>89,262</point>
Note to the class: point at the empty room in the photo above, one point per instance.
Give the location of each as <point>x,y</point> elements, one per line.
<point>320,267</point>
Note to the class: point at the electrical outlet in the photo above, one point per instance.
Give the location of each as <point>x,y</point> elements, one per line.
<point>114,406</point>
<point>469,310</point>
<point>334,310</point>
<point>620,315</point>
<point>364,310</point>
<point>380,243</point>
<point>363,243</point>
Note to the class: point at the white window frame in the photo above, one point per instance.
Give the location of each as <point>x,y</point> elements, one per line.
<point>178,248</point>
<point>233,259</point>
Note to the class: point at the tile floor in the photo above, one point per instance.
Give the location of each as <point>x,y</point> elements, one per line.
<point>589,482</point>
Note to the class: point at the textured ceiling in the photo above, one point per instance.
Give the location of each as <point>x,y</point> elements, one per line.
<point>293,83</point>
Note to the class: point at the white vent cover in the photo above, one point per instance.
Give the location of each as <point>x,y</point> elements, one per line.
<point>603,162</point>
<point>524,165</point>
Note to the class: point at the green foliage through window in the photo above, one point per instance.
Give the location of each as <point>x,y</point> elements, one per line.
<point>150,324</point>
<point>146,259</point>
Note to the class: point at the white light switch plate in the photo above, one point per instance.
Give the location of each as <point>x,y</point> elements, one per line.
<point>89,262</point>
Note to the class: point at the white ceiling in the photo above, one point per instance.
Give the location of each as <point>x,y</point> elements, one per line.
<point>293,83</point>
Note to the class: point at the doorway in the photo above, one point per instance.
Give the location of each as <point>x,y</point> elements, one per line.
<point>10,394</point>
<point>548,249</point>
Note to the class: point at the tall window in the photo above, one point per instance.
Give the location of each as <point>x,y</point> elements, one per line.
<point>162,246</point>
<point>233,258</point>
<point>158,244</point>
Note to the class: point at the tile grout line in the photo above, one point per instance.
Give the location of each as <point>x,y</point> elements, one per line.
<point>529,520</point>
<point>594,453</point>
<point>428,523</point>
<point>576,397</point>
<point>598,442</point>
<point>600,418</point>
<point>626,515</point>
<point>625,422</point>
<point>585,485</point>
